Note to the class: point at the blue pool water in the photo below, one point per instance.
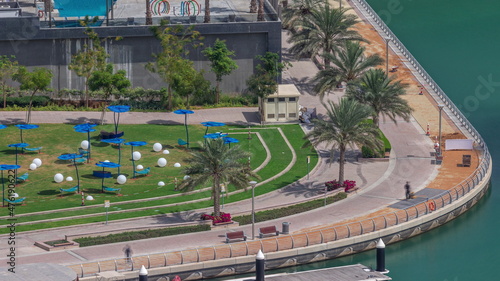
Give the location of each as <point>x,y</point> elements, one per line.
<point>81,8</point>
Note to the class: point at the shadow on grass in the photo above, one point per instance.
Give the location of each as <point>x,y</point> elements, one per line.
<point>49,192</point>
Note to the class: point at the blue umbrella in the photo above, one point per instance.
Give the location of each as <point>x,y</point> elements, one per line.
<point>185,112</point>
<point>230,140</point>
<point>118,142</point>
<point>117,109</point>
<point>26,127</point>
<point>132,144</point>
<point>214,136</point>
<point>86,128</point>
<point>106,165</point>
<point>2,126</point>
<point>72,156</point>
<point>5,167</point>
<point>212,124</point>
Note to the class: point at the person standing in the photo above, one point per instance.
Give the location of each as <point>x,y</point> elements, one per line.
<point>408,190</point>
<point>128,253</point>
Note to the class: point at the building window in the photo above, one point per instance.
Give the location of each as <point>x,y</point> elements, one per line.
<point>281,115</point>
<point>270,116</point>
<point>292,115</point>
<point>281,99</point>
<point>270,100</point>
<point>291,99</point>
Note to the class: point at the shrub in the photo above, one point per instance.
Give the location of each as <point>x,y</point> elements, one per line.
<point>290,210</point>
<point>224,217</point>
<point>136,235</point>
<point>25,101</point>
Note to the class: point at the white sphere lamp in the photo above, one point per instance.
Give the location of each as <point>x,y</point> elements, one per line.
<point>33,166</point>
<point>69,179</point>
<point>121,179</point>
<point>58,177</point>
<point>166,151</point>
<point>177,165</point>
<point>37,162</point>
<point>136,155</point>
<point>85,144</point>
<point>160,183</point>
<point>157,147</point>
<point>162,162</point>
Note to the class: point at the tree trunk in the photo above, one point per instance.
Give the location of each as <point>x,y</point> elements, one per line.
<point>169,99</point>
<point>260,12</point>
<point>253,6</point>
<point>341,164</point>
<point>28,114</point>
<point>216,197</point>
<point>103,112</point>
<point>217,92</point>
<point>376,119</point>
<point>149,17</point>
<point>4,91</point>
<point>207,11</point>
<point>86,93</point>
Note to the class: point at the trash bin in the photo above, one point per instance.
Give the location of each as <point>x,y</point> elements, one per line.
<point>285,228</point>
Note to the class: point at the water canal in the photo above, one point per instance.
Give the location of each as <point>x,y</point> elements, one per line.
<point>458,43</point>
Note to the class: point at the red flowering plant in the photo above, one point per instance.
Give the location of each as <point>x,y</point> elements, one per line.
<point>224,217</point>
<point>349,185</point>
<point>334,184</point>
<point>331,185</point>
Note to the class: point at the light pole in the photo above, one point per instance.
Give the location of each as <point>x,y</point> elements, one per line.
<point>387,39</point>
<point>440,106</point>
<point>253,184</point>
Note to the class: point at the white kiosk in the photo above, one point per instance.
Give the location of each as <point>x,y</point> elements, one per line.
<point>282,106</point>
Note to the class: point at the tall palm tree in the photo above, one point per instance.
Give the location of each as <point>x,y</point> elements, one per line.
<point>260,11</point>
<point>297,11</point>
<point>348,64</point>
<point>382,93</point>
<point>207,11</point>
<point>322,31</point>
<point>345,127</point>
<point>217,163</point>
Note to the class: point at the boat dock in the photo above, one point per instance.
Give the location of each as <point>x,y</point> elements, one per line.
<point>343,273</point>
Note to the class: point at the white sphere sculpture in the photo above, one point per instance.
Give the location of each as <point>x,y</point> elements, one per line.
<point>90,198</point>
<point>15,195</point>
<point>162,162</point>
<point>139,167</point>
<point>160,183</point>
<point>85,144</point>
<point>136,155</point>
<point>157,147</point>
<point>33,166</point>
<point>166,151</point>
<point>106,161</point>
<point>69,179</point>
<point>177,165</point>
<point>58,177</point>
<point>186,177</point>
<point>37,162</point>
<point>121,179</point>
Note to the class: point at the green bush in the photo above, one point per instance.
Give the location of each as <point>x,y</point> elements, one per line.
<point>25,101</point>
<point>136,235</point>
<point>290,210</point>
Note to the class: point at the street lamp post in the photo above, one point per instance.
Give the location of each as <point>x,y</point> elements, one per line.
<point>253,184</point>
<point>440,106</point>
<point>387,39</point>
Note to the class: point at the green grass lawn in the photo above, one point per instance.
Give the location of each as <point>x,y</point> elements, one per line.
<point>43,193</point>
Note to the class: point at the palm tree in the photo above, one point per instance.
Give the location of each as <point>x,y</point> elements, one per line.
<point>322,31</point>
<point>207,11</point>
<point>217,163</point>
<point>382,93</point>
<point>345,127</point>
<point>348,64</point>
<point>260,11</point>
<point>298,10</point>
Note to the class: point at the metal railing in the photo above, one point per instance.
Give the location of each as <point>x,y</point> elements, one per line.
<point>329,234</point>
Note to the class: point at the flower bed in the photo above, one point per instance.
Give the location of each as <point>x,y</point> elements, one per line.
<point>334,184</point>
<point>224,217</point>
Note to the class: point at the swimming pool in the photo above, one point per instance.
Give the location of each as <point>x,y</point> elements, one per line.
<point>79,8</point>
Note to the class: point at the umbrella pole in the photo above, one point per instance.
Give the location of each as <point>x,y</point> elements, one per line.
<point>3,191</point>
<point>187,132</point>
<point>77,175</point>
<point>119,157</point>
<point>133,163</point>
<point>88,139</point>
<point>15,172</point>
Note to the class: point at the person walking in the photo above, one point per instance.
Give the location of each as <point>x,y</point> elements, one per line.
<point>128,253</point>
<point>408,190</point>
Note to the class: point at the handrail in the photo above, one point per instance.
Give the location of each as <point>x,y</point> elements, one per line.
<point>452,111</point>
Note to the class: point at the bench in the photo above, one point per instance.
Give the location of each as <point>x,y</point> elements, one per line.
<point>73,189</point>
<point>268,230</point>
<point>466,159</point>
<point>17,201</point>
<point>39,149</point>
<point>23,178</point>
<point>235,235</point>
<point>144,172</point>
<point>110,189</point>
<point>181,142</point>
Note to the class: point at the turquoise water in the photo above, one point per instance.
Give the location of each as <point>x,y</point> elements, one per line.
<point>81,8</point>
<point>458,43</point>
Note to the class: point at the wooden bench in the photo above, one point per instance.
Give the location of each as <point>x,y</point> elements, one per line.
<point>235,235</point>
<point>268,230</point>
